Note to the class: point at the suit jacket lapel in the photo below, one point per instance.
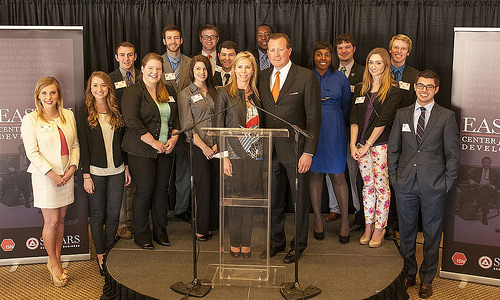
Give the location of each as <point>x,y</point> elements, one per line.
<point>290,79</point>
<point>409,116</point>
<point>435,112</point>
<point>266,79</point>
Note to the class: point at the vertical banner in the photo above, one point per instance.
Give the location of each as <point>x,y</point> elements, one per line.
<point>26,55</point>
<point>471,249</point>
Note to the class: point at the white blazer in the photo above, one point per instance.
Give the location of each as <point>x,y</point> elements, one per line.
<point>43,146</point>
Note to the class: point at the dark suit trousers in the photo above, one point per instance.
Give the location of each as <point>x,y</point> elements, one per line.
<point>432,208</point>
<point>280,174</point>
<point>182,175</point>
<point>151,176</point>
<point>206,185</point>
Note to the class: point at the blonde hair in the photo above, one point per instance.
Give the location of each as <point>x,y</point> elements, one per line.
<point>403,38</point>
<point>162,95</point>
<point>116,120</point>
<point>385,78</point>
<point>233,85</point>
<point>40,85</point>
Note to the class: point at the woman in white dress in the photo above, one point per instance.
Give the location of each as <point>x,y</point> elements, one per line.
<point>50,138</point>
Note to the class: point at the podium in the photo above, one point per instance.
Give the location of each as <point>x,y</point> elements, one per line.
<point>245,208</point>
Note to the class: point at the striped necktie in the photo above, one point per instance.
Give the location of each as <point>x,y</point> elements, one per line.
<point>420,125</point>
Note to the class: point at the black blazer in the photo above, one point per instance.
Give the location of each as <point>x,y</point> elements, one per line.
<point>141,116</point>
<point>236,116</point>
<point>299,102</point>
<point>116,76</point>
<point>92,149</point>
<point>408,96</point>
<point>383,113</point>
<point>356,75</point>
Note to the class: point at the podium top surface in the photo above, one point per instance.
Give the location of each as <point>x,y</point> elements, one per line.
<point>260,132</point>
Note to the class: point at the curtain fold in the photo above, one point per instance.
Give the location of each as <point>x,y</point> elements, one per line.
<point>429,23</point>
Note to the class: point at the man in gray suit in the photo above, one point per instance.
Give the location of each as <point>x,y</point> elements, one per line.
<point>292,93</point>
<point>125,75</point>
<point>176,74</point>
<point>423,157</point>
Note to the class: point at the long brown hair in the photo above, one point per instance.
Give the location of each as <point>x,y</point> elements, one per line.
<point>116,120</point>
<point>40,85</point>
<point>233,85</point>
<point>162,95</point>
<point>210,78</point>
<point>385,78</point>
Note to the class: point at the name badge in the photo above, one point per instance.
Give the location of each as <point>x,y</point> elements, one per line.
<point>169,76</point>
<point>46,128</point>
<point>171,99</point>
<point>404,85</point>
<point>218,68</point>
<point>196,98</point>
<point>120,84</point>
<point>359,100</point>
<point>352,88</point>
<point>406,128</point>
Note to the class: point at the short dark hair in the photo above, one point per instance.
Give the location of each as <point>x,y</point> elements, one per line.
<point>208,26</point>
<point>279,35</point>
<point>124,44</point>
<point>228,45</point>
<point>344,37</point>
<point>267,25</point>
<point>428,74</point>
<point>486,157</point>
<point>318,46</point>
<point>171,27</point>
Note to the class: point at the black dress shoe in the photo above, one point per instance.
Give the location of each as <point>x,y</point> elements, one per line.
<point>272,251</point>
<point>164,242</point>
<point>344,239</point>
<point>290,256</point>
<point>319,235</point>
<point>357,227</point>
<point>410,282</point>
<point>147,246</point>
<point>425,290</point>
<point>390,234</point>
<point>184,216</point>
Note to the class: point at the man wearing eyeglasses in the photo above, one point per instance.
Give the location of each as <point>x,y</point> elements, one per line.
<point>423,158</point>
<point>209,37</point>
<point>262,35</point>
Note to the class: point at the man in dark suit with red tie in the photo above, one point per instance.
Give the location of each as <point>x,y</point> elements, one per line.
<point>423,157</point>
<point>292,93</point>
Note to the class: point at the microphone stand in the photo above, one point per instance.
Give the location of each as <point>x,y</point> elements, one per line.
<point>292,290</point>
<point>195,288</point>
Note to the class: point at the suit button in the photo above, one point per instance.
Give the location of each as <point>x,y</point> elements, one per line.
<point>275,105</point>
<point>418,151</point>
<point>414,165</point>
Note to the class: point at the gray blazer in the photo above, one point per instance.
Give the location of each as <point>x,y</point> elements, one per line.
<point>184,79</point>
<point>435,161</point>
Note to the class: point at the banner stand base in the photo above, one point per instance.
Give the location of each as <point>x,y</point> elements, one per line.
<point>42,259</point>
<point>469,278</point>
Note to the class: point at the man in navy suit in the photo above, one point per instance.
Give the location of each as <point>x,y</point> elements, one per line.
<point>292,93</point>
<point>262,35</point>
<point>126,75</point>
<point>423,157</point>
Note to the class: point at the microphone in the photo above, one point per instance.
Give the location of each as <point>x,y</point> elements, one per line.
<point>295,127</point>
<point>207,118</point>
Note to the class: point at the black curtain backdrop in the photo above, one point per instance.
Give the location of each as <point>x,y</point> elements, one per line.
<point>106,23</point>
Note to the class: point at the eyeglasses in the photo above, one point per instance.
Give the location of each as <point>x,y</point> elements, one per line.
<point>209,37</point>
<point>429,87</point>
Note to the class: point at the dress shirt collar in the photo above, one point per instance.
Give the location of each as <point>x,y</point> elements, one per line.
<point>124,73</point>
<point>400,69</point>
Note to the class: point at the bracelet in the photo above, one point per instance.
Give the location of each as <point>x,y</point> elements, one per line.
<point>369,143</point>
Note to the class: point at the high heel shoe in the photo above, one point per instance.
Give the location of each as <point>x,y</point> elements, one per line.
<point>234,254</point>
<point>65,273</point>
<point>319,235</point>
<point>246,254</point>
<point>376,244</point>
<point>365,240</point>
<point>102,267</point>
<point>58,281</point>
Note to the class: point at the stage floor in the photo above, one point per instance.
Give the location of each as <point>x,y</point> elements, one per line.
<point>350,271</point>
